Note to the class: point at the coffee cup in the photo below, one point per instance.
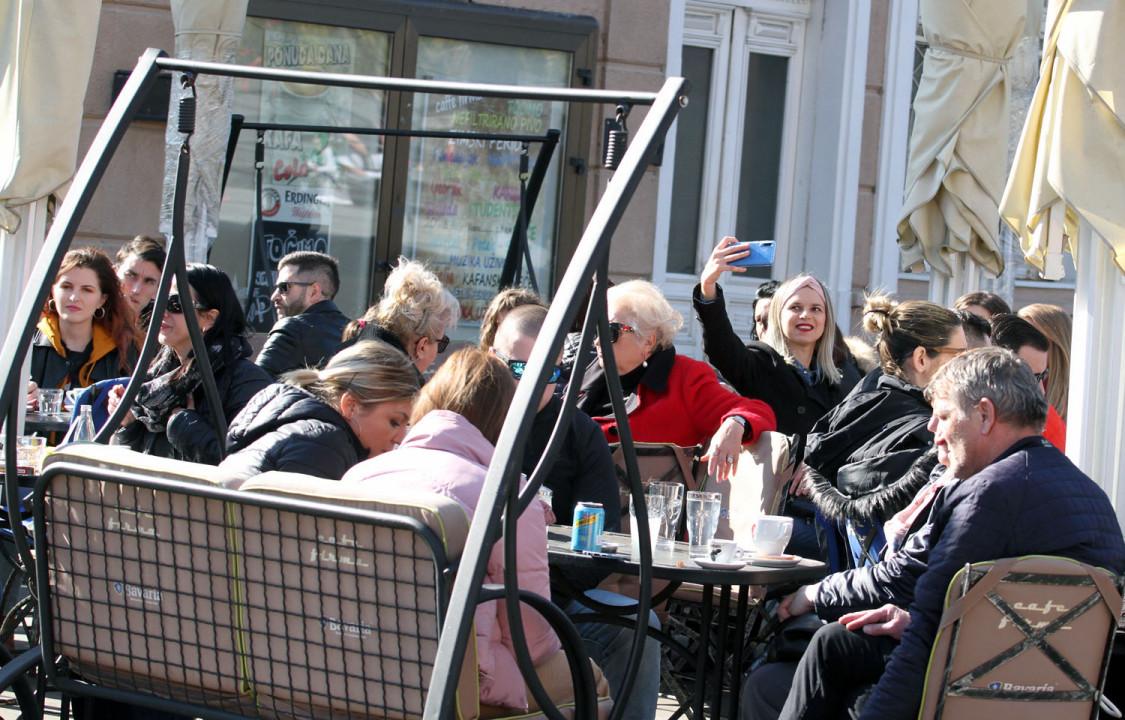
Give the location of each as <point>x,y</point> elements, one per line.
<point>724,551</point>
<point>771,534</point>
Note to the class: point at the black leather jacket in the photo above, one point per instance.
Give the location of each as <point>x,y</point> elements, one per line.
<point>305,340</point>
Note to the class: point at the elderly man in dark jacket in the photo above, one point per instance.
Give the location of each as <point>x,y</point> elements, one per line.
<point>309,325</point>
<point>1018,496</point>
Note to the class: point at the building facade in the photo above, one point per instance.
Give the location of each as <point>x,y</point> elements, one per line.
<point>796,132</point>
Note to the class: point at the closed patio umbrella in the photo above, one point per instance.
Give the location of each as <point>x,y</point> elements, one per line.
<point>1067,190</point>
<point>959,141</point>
<point>205,30</point>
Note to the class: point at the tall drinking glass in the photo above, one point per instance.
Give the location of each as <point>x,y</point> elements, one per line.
<point>673,494</point>
<point>703,510</point>
<point>654,510</point>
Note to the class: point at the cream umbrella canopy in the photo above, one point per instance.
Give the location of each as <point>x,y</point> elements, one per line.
<point>1067,188</point>
<point>46,52</point>
<point>958,144</point>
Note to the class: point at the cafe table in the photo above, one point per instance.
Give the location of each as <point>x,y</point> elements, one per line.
<point>46,423</point>
<point>679,570</point>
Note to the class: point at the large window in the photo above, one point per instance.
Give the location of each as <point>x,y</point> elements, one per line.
<point>367,198</point>
<point>734,141</point>
<point>463,197</point>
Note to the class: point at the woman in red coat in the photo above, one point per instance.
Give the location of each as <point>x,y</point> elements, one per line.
<point>669,398</point>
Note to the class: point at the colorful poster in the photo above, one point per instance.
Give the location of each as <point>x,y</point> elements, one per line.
<point>463,198</point>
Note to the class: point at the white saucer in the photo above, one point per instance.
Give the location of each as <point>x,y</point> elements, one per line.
<point>775,561</point>
<point>716,565</point>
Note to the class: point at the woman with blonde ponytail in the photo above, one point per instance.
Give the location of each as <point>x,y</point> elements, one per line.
<point>322,422</point>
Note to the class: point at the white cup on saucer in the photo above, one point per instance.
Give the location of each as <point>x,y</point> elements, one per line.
<point>771,534</point>
<point>723,551</point>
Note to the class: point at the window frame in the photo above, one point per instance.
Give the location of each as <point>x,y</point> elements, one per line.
<point>406,22</point>
<point>734,30</point>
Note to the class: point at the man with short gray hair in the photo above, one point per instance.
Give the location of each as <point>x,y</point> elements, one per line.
<point>1016,495</point>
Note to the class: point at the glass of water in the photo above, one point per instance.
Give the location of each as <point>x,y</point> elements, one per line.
<point>703,510</point>
<point>673,494</point>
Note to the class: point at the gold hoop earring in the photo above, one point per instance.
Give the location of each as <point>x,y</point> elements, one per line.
<point>100,310</point>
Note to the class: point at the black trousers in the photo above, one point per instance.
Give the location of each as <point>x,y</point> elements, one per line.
<point>836,673</point>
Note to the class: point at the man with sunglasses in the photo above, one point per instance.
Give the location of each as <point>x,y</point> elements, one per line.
<point>582,471</point>
<point>1024,339</point>
<point>309,325</point>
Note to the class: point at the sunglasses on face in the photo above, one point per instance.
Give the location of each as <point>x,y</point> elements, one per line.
<point>616,330</point>
<point>518,367</point>
<point>176,307</point>
<point>284,286</point>
<point>1041,377</point>
<point>442,343</point>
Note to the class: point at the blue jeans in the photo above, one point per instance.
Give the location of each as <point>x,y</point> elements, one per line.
<point>609,646</point>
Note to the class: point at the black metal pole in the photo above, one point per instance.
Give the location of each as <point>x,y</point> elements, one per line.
<point>410,84</point>
<point>55,245</point>
<point>591,253</point>
<point>514,257</point>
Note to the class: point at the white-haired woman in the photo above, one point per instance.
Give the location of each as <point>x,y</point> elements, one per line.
<point>414,315</point>
<point>669,398</point>
<point>792,367</point>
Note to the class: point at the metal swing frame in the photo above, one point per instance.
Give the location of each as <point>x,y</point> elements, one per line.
<point>501,500</point>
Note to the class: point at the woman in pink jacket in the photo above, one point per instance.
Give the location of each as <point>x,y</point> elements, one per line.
<point>455,424</point>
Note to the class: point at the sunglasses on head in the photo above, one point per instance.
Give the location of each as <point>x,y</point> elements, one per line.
<point>518,367</point>
<point>616,330</point>
<point>176,307</point>
<point>284,286</point>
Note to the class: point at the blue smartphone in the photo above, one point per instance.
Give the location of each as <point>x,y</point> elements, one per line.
<point>761,254</point>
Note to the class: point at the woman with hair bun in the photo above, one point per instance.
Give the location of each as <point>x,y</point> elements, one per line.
<point>859,457</point>
<point>86,331</point>
<point>414,315</point>
<point>322,422</point>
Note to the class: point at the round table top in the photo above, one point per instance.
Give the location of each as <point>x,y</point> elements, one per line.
<point>678,567</point>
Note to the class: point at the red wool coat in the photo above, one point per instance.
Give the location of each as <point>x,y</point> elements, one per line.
<point>688,409</point>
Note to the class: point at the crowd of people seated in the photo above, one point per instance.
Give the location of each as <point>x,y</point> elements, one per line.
<point>920,450</point>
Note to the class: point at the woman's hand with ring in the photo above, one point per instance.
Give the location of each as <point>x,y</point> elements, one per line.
<point>722,454</point>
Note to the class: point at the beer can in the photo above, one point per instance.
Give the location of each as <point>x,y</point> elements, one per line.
<point>589,521</point>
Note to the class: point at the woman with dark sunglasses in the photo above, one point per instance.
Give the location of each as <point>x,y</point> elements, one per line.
<point>670,398</point>
<point>170,416</point>
<point>415,315</point>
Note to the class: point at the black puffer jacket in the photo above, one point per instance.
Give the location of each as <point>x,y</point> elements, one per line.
<point>867,458</point>
<point>289,429</point>
<point>305,340</point>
